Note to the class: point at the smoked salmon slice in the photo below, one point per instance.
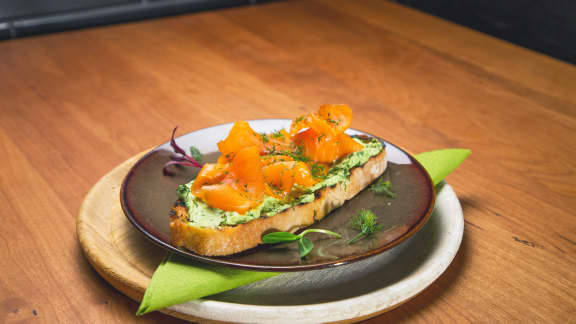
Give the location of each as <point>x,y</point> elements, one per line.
<point>210,173</point>
<point>253,165</point>
<point>241,135</point>
<point>284,175</point>
<point>238,186</point>
<point>247,169</point>
<point>226,197</point>
<point>340,116</point>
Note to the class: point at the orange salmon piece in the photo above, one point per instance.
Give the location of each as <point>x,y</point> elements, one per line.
<point>238,186</point>
<point>241,136</point>
<point>324,148</point>
<point>246,167</point>
<point>315,122</point>
<point>348,145</point>
<point>276,142</point>
<point>226,197</point>
<point>210,174</point>
<point>284,175</point>
<point>340,116</point>
<point>299,124</point>
<point>318,147</point>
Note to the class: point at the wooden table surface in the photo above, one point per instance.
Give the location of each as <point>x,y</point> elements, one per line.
<point>74,105</point>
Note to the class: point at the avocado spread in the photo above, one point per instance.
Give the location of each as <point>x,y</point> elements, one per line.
<point>202,215</point>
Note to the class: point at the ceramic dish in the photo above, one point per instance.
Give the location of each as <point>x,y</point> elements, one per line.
<point>349,293</point>
<point>147,196</point>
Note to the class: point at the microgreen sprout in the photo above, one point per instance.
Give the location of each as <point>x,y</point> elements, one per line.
<point>304,244</point>
<point>195,152</point>
<point>383,187</point>
<point>180,157</point>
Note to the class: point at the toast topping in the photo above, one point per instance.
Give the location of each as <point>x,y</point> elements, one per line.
<point>263,174</point>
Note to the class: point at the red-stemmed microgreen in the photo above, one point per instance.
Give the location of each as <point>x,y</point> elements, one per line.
<point>180,157</point>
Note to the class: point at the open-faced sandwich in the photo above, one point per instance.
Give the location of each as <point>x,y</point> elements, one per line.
<point>280,181</point>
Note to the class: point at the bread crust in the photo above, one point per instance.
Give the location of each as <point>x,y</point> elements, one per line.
<point>228,240</point>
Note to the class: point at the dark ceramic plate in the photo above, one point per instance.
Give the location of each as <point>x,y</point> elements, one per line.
<point>147,196</point>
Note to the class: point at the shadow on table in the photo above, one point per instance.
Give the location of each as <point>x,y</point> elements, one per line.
<point>443,285</point>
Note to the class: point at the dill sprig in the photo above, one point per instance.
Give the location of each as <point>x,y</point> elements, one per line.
<point>366,222</point>
<point>278,134</point>
<point>264,137</point>
<point>318,171</point>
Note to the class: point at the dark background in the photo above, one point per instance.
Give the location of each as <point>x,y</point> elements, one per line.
<point>548,27</point>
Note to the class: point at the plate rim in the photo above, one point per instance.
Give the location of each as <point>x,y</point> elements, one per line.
<point>275,268</point>
<point>380,300</point>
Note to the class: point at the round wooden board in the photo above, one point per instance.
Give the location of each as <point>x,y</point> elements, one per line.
<point>127,260</point>
<point>116,250</point>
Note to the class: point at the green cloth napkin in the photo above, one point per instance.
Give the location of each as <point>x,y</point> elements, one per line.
<point>441,163</point>
<point>178,280</point>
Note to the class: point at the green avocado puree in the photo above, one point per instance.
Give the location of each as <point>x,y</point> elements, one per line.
<point>202,215</point>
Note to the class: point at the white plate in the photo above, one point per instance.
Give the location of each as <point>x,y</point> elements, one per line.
<point>350,291</point>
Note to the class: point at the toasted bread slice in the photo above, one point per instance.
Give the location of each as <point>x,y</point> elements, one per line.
<point>228,240</point>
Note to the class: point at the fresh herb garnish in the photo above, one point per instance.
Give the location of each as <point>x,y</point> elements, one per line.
<point>297,154</point>
<point>277,134</point>
<point>299,119</point>
<point>299,157</point>
<point>180,157</point>
<point>195,152</point>
<point>183,190</point>
<point>317,171</point>
<point>383,187</point>
<point>264,137</point>
<point>332,121</point>
<point>304,244</point>
<point>366,223</point>
<point>275,188</point>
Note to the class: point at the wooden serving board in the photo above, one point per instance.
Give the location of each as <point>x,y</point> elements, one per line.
<point>127,260</point>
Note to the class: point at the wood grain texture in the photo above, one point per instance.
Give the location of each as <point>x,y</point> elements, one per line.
<point>74,105</point>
